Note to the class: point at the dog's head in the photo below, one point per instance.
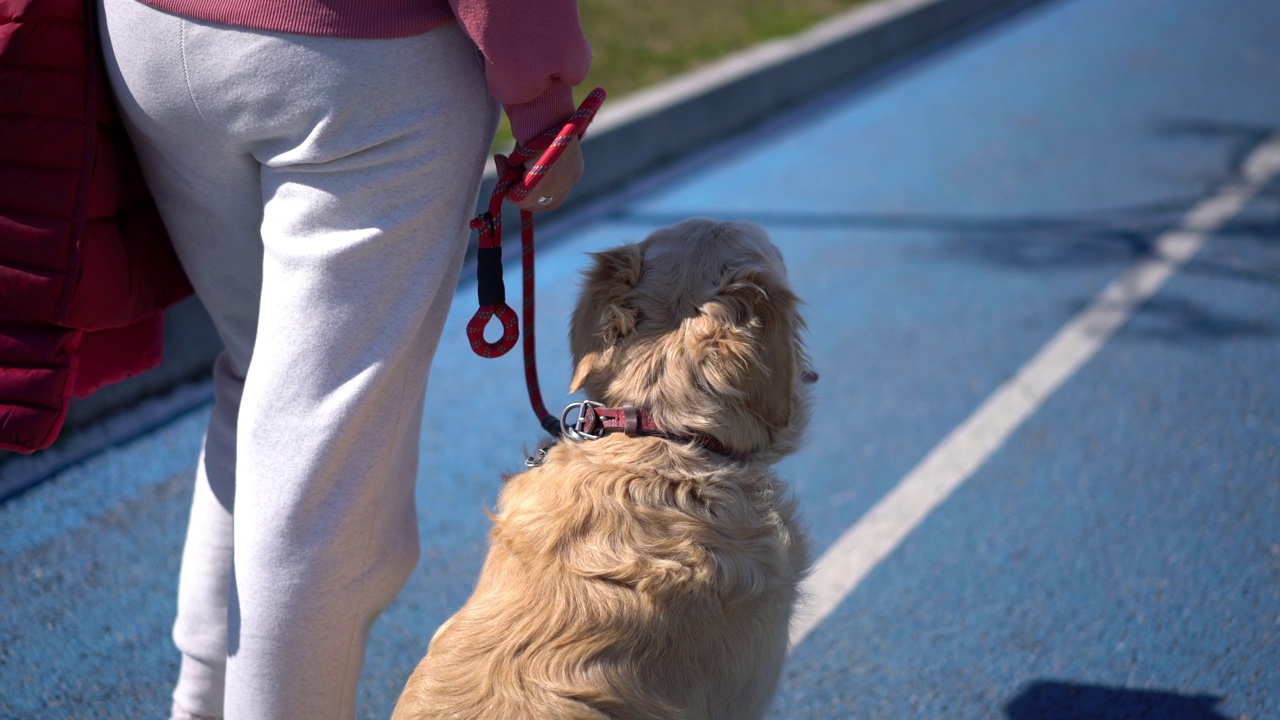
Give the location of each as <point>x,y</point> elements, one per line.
<point>698,324</point>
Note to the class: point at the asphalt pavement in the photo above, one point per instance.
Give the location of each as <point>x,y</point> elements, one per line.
<point>1109,547</point>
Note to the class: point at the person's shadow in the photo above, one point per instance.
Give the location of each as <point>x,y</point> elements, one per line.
<point>1048,700</point>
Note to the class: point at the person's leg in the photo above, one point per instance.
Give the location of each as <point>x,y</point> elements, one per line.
<point>366,209</point>
<point>209,194</point>
<point>371,153</point>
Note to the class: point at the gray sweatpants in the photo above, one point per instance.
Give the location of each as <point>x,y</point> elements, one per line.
<point>317,191</point>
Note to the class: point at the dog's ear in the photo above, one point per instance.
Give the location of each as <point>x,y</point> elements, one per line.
<point>748,343</point>
<point>604,313</point>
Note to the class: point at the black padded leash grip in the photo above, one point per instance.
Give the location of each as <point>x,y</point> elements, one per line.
<point>489,287</point>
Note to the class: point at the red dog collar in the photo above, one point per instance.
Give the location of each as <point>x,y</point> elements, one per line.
<point>595,421</point>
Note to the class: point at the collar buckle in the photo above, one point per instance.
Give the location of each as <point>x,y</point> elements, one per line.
<point>587,425</point>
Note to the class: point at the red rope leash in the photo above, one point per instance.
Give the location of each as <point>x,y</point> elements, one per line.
<point>517,183</point>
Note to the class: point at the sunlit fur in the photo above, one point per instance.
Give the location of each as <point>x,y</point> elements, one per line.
<point>641,577</point>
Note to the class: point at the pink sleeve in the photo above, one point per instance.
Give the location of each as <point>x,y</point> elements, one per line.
<point>534,53</point>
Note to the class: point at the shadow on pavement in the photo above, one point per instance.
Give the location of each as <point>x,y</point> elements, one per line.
<point>1051,700</point>
<point>1034,243</point>
<point>1093,237</point>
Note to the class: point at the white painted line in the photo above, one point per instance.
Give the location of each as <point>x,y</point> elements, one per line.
<point>862,547</point>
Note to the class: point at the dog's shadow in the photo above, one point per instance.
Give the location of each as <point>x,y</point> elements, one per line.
<point>1051,700</point>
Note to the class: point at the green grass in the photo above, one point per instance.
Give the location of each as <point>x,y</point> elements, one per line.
<point>637,43</point>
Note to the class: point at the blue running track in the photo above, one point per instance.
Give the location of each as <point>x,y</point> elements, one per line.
<point>1117,556</point>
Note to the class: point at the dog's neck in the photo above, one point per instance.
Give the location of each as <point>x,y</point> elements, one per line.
<point>595,421</point>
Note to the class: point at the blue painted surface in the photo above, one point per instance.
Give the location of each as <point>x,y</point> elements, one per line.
<point>943,222</point>
<point>1126,537</point>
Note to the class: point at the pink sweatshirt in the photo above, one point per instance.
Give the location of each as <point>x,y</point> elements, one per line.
<point>534,50</point>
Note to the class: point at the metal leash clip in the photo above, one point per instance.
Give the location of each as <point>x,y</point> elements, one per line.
<point>587,418</point>
<point>537,458</point>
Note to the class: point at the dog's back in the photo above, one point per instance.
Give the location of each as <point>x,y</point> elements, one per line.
<point>622,585</point>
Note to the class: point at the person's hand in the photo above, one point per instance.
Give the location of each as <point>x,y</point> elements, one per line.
<point>555,185</point>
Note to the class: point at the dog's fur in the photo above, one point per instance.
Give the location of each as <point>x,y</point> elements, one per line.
<point>641,577</point>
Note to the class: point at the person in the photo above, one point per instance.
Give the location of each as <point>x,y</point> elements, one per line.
<point>316,163</point>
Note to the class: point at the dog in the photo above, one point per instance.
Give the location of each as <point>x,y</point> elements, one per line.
<point>648,574</point>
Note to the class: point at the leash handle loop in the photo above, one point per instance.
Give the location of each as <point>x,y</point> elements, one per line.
<point>510,330</point>
<point>554,144</point>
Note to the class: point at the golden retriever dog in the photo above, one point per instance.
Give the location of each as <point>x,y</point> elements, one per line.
<point>648,574</point>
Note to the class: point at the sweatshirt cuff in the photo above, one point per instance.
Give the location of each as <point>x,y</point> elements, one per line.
<point>548,111</point>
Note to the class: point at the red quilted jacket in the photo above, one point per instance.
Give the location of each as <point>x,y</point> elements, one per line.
<point>85,266</point>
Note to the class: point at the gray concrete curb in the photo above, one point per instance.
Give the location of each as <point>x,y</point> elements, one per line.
<point>655,126</point>
<point>630,137</point>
